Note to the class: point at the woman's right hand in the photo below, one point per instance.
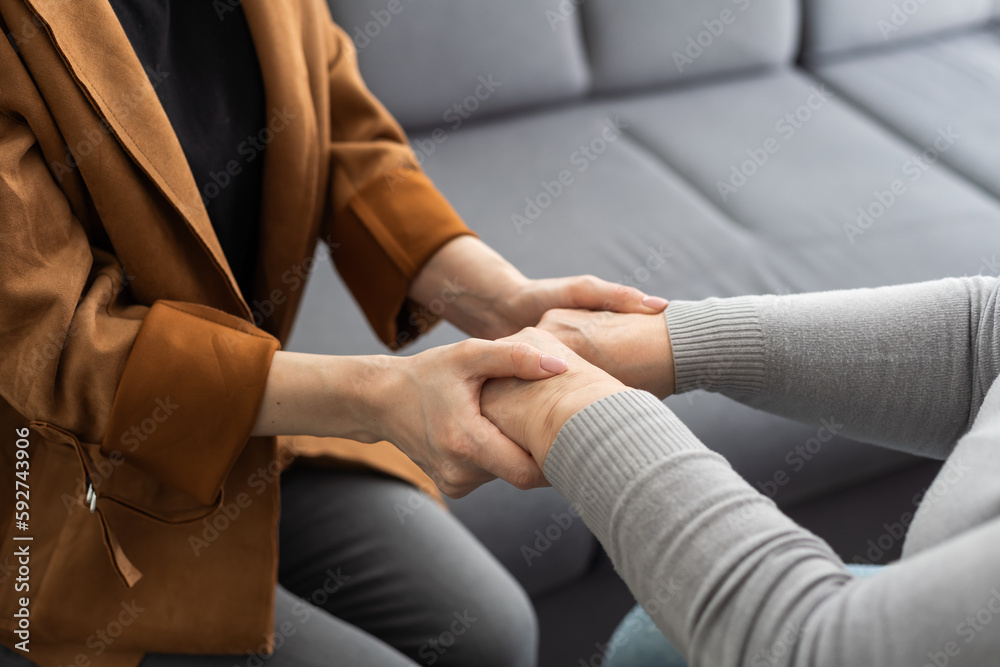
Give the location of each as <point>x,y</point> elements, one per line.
<point>427,405</point>
<point>432,413</point>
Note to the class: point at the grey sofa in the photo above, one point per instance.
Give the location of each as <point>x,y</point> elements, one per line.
<point>696,149</point>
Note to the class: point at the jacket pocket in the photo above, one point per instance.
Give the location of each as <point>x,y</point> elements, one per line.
<point>55,489</point>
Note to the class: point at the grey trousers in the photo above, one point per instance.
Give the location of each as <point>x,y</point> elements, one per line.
<point>373,572</point>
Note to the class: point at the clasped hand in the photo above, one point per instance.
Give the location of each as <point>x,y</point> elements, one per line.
<point>605,353</point>
<point>435,414</point>
<point>476,410</point>
<point>432,406</point>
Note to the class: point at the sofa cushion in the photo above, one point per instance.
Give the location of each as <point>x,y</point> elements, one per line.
<point>436,63</point>
<point>554,193</point>
<point>835,26</point>
<point>935,88</point>
<point>643,43</point>
<point>805,173</point>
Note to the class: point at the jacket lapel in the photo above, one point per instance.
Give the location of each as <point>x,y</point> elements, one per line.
<point>99,56</point>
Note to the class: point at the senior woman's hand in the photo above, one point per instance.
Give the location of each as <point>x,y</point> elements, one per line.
<point>531,412</point>
<point>634,348</point>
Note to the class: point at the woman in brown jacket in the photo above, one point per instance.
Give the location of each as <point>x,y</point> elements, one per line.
<point>166,171</point>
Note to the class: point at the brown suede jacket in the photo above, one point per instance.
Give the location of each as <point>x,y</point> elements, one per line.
<point>125,343</point>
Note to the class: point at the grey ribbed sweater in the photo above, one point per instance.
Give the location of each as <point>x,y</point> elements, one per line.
<point>724,574</point>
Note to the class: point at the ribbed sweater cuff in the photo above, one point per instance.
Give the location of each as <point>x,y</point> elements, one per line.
<point>717,345</point>
<point>605,446</point>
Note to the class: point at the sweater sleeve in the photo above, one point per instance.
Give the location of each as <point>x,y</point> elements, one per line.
<point>904,366</point>
<point>733,582</point>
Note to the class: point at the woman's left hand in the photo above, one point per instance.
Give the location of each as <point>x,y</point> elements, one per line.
<point>528,301</point>
<point>469,284</point>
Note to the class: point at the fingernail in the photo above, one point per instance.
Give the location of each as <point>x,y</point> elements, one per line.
<point>655,302</point>
<point>552,364</point>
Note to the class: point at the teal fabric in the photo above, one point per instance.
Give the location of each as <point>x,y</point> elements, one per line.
<point>638,643</point>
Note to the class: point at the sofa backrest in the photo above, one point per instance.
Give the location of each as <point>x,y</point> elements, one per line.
<point>833,27</point>
<point>642,43</point>
<point>434,63</point>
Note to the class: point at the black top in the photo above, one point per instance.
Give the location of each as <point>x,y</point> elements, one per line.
<point>205,70</point>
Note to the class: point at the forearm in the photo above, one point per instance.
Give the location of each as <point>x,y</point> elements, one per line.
<point>729,579</point>
<point>465,282</point>
<point>678,522</point>
<point>904,366</point>
<point>318,395</point>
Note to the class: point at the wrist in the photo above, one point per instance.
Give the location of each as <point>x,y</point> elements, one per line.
<point>491,305</point>
<point>472,286</point>
<point>508,305</point>
<point>662,383</point>
<point>564,405</point>
<point>320,395</point>
<point>364,389</point>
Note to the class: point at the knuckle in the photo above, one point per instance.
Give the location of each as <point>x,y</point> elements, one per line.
<point>459,450</point>
<point>554,320</point>
<point>450,478</point>
<point>440,482</point>
<point>481,433</point>
<point>545,335</point>
<point>449,490</point>
<point>520,351</point>
<point>523,480</point>
<point>465,347</point>
<point>540,336</point>
<point>618,295</point>
<point>452,488</point>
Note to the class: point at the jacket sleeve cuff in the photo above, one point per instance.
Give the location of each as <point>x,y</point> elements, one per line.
<point>189,396</point>
<point>390,229</point>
